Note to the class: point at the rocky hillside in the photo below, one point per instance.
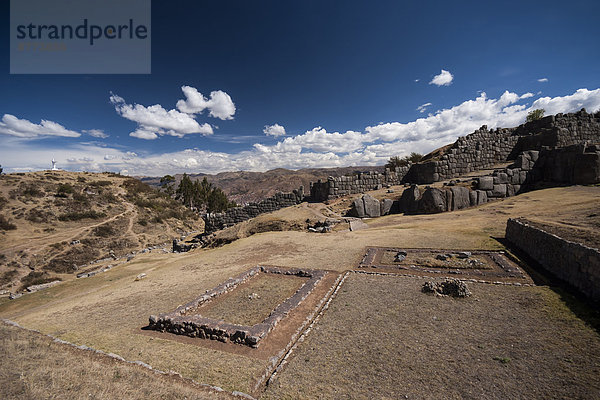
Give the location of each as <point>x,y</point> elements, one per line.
<point>243,187</point>
<point>56,223</point>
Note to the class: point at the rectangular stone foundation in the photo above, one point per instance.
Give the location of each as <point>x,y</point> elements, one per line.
<point>186,321</point>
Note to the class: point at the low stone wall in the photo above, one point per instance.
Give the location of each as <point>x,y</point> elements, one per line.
<point>185,320</point>
<point>574,263</point>
<point>363,182</point>
<point>216,221</point>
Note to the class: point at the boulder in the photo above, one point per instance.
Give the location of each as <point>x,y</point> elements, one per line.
<point>357,209</point>
<point>460,197</point>
<point>409,201</point>
<point>386,206</point>
<point>433,201</point>
<point>372,206</point>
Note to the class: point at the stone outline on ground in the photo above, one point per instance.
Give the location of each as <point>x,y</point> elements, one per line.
<point>184,321</point>
<point>502,268</point>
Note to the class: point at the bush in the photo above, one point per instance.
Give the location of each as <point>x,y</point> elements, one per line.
<point>534,115</point>
<point>32,191</point>
<point>104,231</point>
<point>8,276</point>
<point>100,183</point>
<point>3,202</point>
<point>5,224</point>
<point>37,278</point>
<point>76,216</point>
<point>64,189</point>
<point>395,162</point>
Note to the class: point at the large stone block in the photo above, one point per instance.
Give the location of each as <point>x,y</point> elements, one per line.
<point>460,197</point>
<point>499,190</point>
<point>357,209</point>
<point>486,183</point>
<point>409,201</point>
<point>433,201</point>
<point>386,206</point>
<point>372,206</point>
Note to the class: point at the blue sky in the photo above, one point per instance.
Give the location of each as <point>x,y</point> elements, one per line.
<point>261,85</point>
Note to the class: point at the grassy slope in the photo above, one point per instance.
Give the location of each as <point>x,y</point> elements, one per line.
<point>105,212</point>
<point>107,311</point>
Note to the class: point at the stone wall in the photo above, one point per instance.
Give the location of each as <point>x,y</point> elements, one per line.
<point>576,164</point>
<point>186,319</point>
<point>363,182</point>
<point>216,221</point>
<point>484,148</point>
<point>574,263</point>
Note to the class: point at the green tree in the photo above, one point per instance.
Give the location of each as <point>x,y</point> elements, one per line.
<point>0,169</point>
<point>534,115</point>
<point>166,182</point>
<point>395,162</point>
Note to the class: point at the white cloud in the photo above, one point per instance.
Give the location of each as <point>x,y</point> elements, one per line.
<point>527,95</point>
<point>274,130</point>
<point>97,133</point>
<point>314,148</point>
<point>423,107</point>
<point>154,121</point>
<point>417,80</point>
<point>582,98</point>
<point>443,79</point>
<point>543,80</point>
<point>219,104</point>
<point>22,128</point>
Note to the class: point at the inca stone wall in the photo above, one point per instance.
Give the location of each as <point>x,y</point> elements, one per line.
<point>216,221</point>
<point>363,182</point>
<point>572,262</point>
<point>484,148</point>
<point>575,164</point>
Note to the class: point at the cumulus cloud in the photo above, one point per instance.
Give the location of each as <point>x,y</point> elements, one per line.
<point>314,148</point>
<point>274,130</point>
<point>219,104</point>
<point>543,80</point>
<point>527,95</point>
<point>423,107</point>
<point>25,129</point>
<point>443,79</point>
<point>154,121</point>
<point>97,133</point>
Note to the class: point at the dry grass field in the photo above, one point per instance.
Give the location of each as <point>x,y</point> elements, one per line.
<point>382,338</point>
<point>536,337</point>
<point>253,301</point>
<point>35,367</point>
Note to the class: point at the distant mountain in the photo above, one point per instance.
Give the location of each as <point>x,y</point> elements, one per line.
<point>243,186</point>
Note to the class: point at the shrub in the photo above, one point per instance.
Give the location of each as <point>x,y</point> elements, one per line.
<point>32,191</point>
<point>534,115</point>
<point>3,202</point>
<point>64,189</point>
<point>8,276</point>
<point>5,224</point>
<point>37,278</point>
<point>76,216</point>
<point>396,161</point>
<point>104,230</point>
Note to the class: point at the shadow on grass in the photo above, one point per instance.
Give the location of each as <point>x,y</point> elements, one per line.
<point>584,308</point>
